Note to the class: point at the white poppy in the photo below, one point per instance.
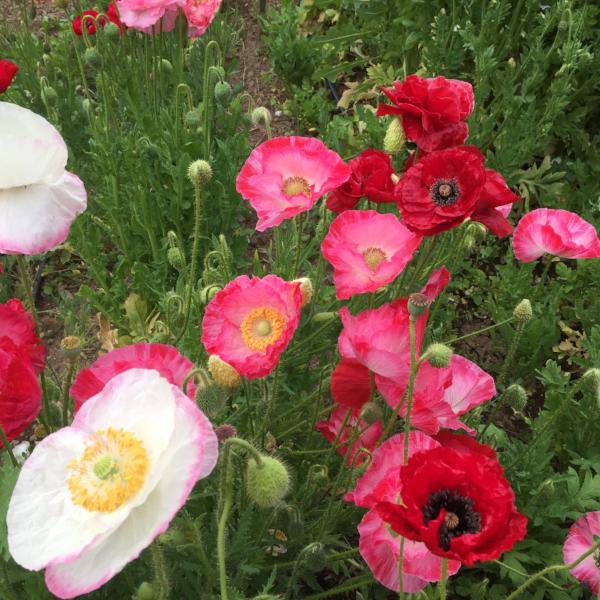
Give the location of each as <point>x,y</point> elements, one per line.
<point>38,199</point>
<point>93,495</point>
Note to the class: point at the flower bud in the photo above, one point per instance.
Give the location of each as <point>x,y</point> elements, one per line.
<point>417,304</point>
<point>393,142</point>
<point>439,355</point>
<point>49,95</point>
<point>151,152</point>
<point>261,115</point>
<point>145,592</point>
<point>516,397</point>
<point>165,67</point>
<point>591,380</point>
<point>70,346</point>
<point>306,288</point>
<point>172,239</point>
<point>477,231</point>
<point>512,63</point>
<point>315,556</point>
<point>200,172</point>
<point>223,373</point>
<point>370,413</point>
<point>268,483</point>
<point>323,317</point>
<point>223,93</point>
<point>208,293</point>
<point>92,57</point>
<point>176,258</point>
<point>112,31</point>
<point>224,432</point>
<point>523,311</point>
<point>193,119</point>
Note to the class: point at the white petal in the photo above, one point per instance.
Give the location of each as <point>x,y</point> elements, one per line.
<point>37,218</point>
<point>192,454</point>
<point>31,149</point>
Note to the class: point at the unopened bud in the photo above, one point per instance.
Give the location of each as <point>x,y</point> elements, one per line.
<point>370,413</point>
<point>223,373</point>
<point>223,93</point>
<point>172,239</point>
<point>523,311</point>
<point>193,119</point>
<point>49,95</point>
<point>516,397</point>
<point>165,66</point>
<point>70,346</point>
<point>267,483</point>
<point>439,355</point>
<point>145,592</point>
<point>92,57</point>
<point>591,380</point>
<point>224,432</point>
<point>200,172</point>
<point>315,556</point>
<point>323,317</point>
<point>112,31</point>
<point>208,293</point>
<point>151,152</point>
<point>306,288</point>
<point>477,231</point>
<point>417,304</point>
<point>393,142</point>
<point>176,258</point>
<point>261,115</point>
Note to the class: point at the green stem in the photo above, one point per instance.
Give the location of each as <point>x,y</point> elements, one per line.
<point>478,332</point>
<point>444,579</point>
<point>299,221</point>
<point>522,574</point>
<point>161,578</point>
<point>271,402</point>
<point>553,569</point>
<point>227,501</point>
<point>411,384</point>
<point>27,284</point>
<point>6,446</point>
<point>66,396</point>
<point>248,395</point>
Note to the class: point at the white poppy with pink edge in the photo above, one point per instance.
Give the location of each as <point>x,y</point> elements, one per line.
<point>38,199</point>
<point>92,496</point>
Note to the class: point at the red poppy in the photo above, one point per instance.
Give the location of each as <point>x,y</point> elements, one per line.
<point>371,177</point>
<point>8,70</point>
<point>432,110</point>
<point>441,190</point>
<point>96,19</point>
<point>20,392</point>
<point>457,501</point>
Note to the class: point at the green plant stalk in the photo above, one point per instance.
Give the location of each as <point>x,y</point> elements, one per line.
<point>553,569</point>
<point>227,501</point>
<point>272,400</point>
<point>479,331</point>
<point>65,393</point>
<point>27,285</point>
<point>161,578</point>
<point>248,395</point>
<point>7,448</point>
<point>207,96</point>
<point>522,574</point>
<point>442,587</point>
<point>299,222</point>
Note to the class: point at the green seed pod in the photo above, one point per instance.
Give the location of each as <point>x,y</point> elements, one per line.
<point>439,355</point>
<point>417,304</point>
<point>523,312</point>
<point>71,346</point>
<point>49,96</point>
<point>176,258</point>
<point>393,142</point>
<point>268,483</point>
<point>193,119</point>
<point>223,93</point>
<point>200,172</point>
<point>516,397</point>
<point>92,57</point>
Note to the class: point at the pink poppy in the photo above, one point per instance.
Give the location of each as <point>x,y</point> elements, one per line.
<point>149,16</point>
<point>554,231</point>
<point>17,325</point>
<point>579,540</point>
<point>285,176</point>
<point>367,438</point>
<point>200,14</point>
<point>367,250</point>
<point>250,322</point>
<point>379,545</point>
<point>162,358</point>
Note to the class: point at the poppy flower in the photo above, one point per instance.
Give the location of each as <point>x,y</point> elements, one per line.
<point>368,434</point>
<point>17,325</point>
<point>285,176</point>
<point>92,19</point>
<point>367,250</point>
<point>20,392</point>
<point>371,177</point>
<point>580,539</point>
<point>250,322</point>
<point>162,358</point>
<point>93,495</point>
<point>441,190</point>
<point>554,231</point>
<point>458,503</point>
<point>150,16</point>
<point>200,14</point>
<point>8,70</point>
<point>39,198</point>
<point>432,110</point>
<point>379,545</point>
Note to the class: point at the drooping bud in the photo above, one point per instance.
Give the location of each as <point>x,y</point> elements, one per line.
<point>224,432</point>
<point>417,304</point>
<point>165,67</point>
<point>306,288</point>
<point>315,556</point>
<point>176,258</point>
<point>92,57</point>
<point>439,355</point>
<point>591,380</point>
<point>151,152</point>
<point>261,116</point>
<point>223,93</point>
<point>112,31</point>
<point>477,230</point>
<point>268,483</point>
<point>523,311</point>
<point>393,142</point>
<point>370,413</point>
<point>208,293</point>
<point>516,397</point>
<point>70,346</point>
<point>172,239</point>
<point>223,373</point>
<point>193,119</point>
<point>49,95</point>
<point>200,172</point>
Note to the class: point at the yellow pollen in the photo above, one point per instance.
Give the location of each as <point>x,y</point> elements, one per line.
<point>262,327</point>
<point>112,468</point>
<point>374,257</point>
<point>296,185</point>
<point>451,521</point>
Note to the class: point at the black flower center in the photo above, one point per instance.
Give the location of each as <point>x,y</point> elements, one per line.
<point>461,516</point>
<point>445,192</point>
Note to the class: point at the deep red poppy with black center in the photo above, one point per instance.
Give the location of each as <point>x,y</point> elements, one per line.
<point>441,190</point>
<point>457,501</point>
<point>8,70</point>
<point>432,110</point>
<point>371,177</point>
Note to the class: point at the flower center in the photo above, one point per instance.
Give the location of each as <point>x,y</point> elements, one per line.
<point>111,470</point>
<point>262,327</point>
<point>460,518</point>
<point>296,185</point>
<point>374,257</point>
<point>445,192</point>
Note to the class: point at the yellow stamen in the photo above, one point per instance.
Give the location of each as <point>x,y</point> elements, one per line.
<point>112,468</point>
<point>374,257</point>
<point>262,327</point>
<point>296,185</point>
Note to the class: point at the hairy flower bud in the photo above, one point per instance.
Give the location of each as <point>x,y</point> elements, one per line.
<point>200,172</point>
<point>176,258</point>
<point>268,483</point>
<point>417,304</point>
<point>393,142</point>
<point>314,556</point>
<point>323,317</point>
<point>165,66</point>
<point>306,288</point>
<point>223,93</point>
<point>112,31</point>
<point>193,119</point>
<point>439,355</point>
<point>92,57</point>
<point>261,115</point>
<point>70,346</point>
<point>477,231</point>
<point>591,380</point>
<point>208,293</point>
<point>523,311</point>
<point>145,592</point>
<point>223,373</point>
<point>370,413</point>
<point>49,95</point>
<point>516,397</point>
